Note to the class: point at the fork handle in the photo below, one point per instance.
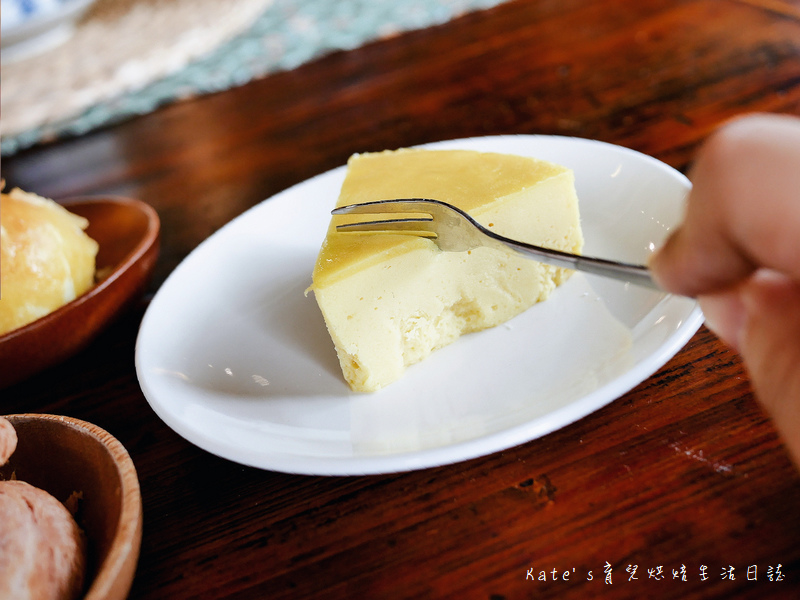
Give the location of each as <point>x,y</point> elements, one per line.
<point>629,273</point>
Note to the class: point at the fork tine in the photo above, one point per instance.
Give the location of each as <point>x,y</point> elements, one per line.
<point>406,205</point>
<point>414,225</point>
<point>423,227</point>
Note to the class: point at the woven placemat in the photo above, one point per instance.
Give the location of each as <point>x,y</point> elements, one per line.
<point>128,57</point>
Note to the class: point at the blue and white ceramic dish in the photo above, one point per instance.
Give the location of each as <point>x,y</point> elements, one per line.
<point>33,26</point>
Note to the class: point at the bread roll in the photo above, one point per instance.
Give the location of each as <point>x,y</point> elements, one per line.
<point>42,551</point>
<point>47,259</point>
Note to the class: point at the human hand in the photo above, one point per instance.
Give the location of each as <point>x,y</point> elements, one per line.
<point>738,252</point>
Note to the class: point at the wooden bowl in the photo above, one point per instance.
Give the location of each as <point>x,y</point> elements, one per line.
<point>69,457</point>
<point>127,232</point>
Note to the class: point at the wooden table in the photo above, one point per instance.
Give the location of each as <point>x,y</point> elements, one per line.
<point>685,471</point>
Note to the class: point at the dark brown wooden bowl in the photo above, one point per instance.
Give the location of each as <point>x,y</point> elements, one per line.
<point>127,232</point>
<point>70,458</point>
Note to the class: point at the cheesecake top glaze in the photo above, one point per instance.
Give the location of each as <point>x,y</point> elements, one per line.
<point>473,181</point>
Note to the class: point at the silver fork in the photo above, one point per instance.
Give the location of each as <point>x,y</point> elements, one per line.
<point>453,230</point>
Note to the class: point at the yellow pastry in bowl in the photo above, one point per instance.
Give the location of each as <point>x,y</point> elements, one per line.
<point>46,258</point>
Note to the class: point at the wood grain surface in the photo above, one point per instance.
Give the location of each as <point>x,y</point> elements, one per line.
<point>683,471</point>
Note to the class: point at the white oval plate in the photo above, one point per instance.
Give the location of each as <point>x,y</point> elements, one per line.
<point>236,359</point>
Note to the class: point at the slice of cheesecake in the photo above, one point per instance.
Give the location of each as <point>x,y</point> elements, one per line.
<point>389,300</point>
